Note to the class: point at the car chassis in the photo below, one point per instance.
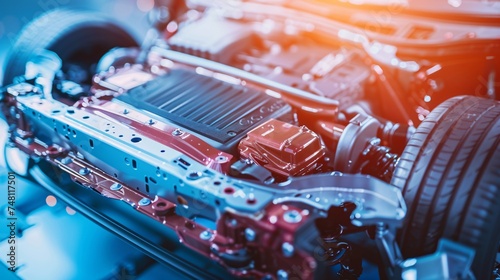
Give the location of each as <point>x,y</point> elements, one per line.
<point>270,230</point>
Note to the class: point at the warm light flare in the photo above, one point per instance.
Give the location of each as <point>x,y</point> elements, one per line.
<point>51,200</point>
<point>145,5</point>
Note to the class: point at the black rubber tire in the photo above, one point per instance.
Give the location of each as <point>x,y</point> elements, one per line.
<point>449,175</point>
<point>69,34</point>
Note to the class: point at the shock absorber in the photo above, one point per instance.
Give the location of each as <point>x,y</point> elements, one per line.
<point>378,160</point>
<point>364,145</point>
<point>395,135</point>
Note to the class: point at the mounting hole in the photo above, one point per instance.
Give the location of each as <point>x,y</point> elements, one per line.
<point>153,180</point>
<point>221,159</point>
<point>161,204</point>
<point>194,175</point>
<point>52,150</point>
<point>136,139</point>
<point>160,208</point>
<point>251,201</point>
<point>189,225</point>
<point>217,183</point>
<point>85,117</point>
<point>228,190</point>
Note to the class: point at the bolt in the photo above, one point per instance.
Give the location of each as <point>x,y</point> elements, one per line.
<point>151,122</point>
<point>177,132</point>
<point>282,275</point>
<point>144,201</point>
<point>205,235</point>
<point>287,249</point>
<point>84,171</point>
<point>251,198</point>
<point>292,217</point>
<point>116,187</point>
<point>250,234</point>
<point>381,229</point>
<point>12,111</point>
<point>337,173</point>
<point>66,160</point>
<point>221,159</point>
<point>232,222</point>
<point>194,175</point>
<point>126,111</point>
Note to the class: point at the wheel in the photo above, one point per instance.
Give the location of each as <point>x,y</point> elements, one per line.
<point>77,37</point>
<point>17,161</point>
<point>449,175</point>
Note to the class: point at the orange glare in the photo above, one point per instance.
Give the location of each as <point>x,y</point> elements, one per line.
<point>145,5</point>
<point>51,200</point>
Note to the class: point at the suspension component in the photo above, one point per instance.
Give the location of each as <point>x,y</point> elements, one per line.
<point>395,135</point>
<point>378,160</point>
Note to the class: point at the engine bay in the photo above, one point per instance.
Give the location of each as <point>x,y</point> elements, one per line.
<point>258,139</point>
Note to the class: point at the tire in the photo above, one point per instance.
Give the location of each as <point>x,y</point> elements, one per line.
<point>17,161</point>
<point>449,175</point>
<point>73,35</point>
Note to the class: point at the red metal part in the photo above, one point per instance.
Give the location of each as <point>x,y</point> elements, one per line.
<point>271,232</point>
<point>161,132</point>
<point>271,229</point>
<point>283,148</point>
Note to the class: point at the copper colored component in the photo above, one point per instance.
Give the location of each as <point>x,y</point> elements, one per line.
<point>283,148</point>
